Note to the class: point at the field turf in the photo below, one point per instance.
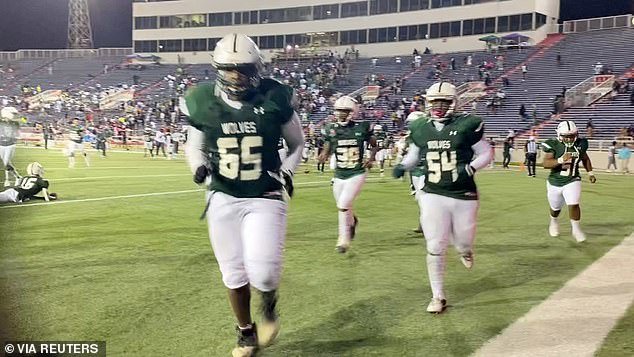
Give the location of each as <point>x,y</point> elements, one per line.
<point>139,272</point>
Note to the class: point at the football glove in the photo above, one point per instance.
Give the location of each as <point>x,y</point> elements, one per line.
<point>201,174</point>
<point>399,171</point>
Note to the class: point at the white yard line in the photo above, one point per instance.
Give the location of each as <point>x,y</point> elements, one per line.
<point>107,198</point>
<point>112,177</point>
<point>574,320</point>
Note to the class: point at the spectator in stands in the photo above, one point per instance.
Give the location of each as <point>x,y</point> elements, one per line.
<point>506,154</point>
<point>474,107</point>
<point>505,81</point>
<point>598,68</point>
<point>624,157</point>
<point>589,129</point>
<point>612,157</point>
<point>523,114</point>
<point>524,71</point>
<point>559,59</point>
<point>453,63</point>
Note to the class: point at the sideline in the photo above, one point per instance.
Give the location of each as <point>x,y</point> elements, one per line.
<point>576,319</point>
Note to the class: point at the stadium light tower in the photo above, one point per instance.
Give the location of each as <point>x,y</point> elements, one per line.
<point>79,31</point>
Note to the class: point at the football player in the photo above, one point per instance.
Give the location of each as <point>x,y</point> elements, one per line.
<point>28,187</point>
<point>148,142</point>
<point>563,156</point>
<point>448,143</point>
<point>76,143</point>
<point>236,125</point>
<point>346,139</point>
<point>381,143</point>
<point>9,131</point>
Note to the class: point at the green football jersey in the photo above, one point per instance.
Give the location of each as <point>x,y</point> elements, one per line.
<point>347,143</point>
<point>9,132</point>
<point>447,152</point>
<point>381,140</point>
<point>29,186</point>
<point>558,176</point>
<point>76,134</point>
<point>242,143</point>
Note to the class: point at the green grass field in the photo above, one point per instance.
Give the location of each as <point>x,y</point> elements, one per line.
<point>139,272</point>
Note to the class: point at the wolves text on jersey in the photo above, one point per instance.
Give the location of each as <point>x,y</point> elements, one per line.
<point>438,144</point>
<point>244,127</point>
<point>348,142</point>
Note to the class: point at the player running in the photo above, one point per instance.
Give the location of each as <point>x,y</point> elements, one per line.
<point>562,157</point>
<point>346,139</point>
<point>451,145</point>
<point>236,125</point>
<point>76,143</point>
<point>382,147</point>
<point>9,132</point>
<point>28,187</point>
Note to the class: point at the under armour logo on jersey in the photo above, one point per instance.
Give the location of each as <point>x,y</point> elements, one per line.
<point>453,132</point>
<point>258,110</point>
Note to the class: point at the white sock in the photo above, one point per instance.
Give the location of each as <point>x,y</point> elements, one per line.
<point>436,272</point>
<point>345,217</point>
<point>576,225</point>
<point>553,219</point>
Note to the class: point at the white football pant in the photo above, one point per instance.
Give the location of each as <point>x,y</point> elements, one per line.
<point>418,182</point>
<point>9,195</point>
<point>443,218</point>
<point>345,192</point>
<point>247,236</point>
<point>6,154</point>
<point>569,194</point>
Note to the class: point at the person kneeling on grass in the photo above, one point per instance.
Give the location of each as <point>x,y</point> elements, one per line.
<point>28,187</point>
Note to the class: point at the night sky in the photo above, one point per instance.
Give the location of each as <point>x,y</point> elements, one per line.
<point>29,24</point>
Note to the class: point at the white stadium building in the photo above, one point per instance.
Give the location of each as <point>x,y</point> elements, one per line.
<point>187,30</point>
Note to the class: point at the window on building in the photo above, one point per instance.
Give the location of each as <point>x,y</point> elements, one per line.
<point>353,9</point>
<point>170,46</point>
<point>413,5</point>
<point>211,43</point>
<point>445,3</point>
<point>299,39</point>
<point>470,2</point>
<point>384,34</point>
<point>145,46</point>
<point>292,14</point>
<point>413,32</point>
<point>467,27</point>
<point>383,6</point>
<point>444,29</point>
<point>195,44</point>
<point>322,12</point>
<point>503,24</point>
<point>514,22</point>
<point>434,30</point>
<point>221,19</point>
<point>526,22</point>
<point>540,20</point>
<point>454,28</point>
<point>254,18</point>
<point>489,25</point>
<point>145,22</point>
<point>478,26</point>
<point>353,37</point>
<point>182,21</point>
<point>270,42</point>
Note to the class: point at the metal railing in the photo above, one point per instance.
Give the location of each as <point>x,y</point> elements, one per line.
<point>52,54</point>
<point>589,91</point>
<point>597,23</point>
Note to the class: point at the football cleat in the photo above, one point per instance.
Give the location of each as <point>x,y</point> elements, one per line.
<point>437,306</point>
<point>341,249</point>
<point>353,229</point>
<point>553,228</point>
<point>267,332</point>
<point>467,260</point>
<point>579,235</point>
<point>247,342</point>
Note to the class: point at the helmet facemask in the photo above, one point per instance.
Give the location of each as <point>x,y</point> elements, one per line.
<point>568,139</point>
<point>238,81</point>
<point>440,109</point>
<point>343,116</point>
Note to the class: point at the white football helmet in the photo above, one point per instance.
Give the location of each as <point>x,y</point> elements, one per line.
<point>567,132</point>
<point>9,113</point>
<point>413,116</point>
<point>441,100</point>
<point>345,109</point>
<point>239,63</point>
<point>377,129</point>
<point>35,169</point>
